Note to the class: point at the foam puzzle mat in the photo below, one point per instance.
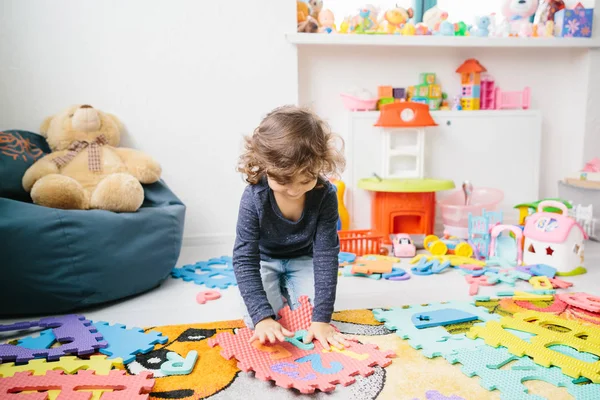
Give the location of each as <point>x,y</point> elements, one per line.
<point>473,372</point>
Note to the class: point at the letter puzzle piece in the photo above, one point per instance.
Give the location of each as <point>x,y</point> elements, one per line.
<point>368,265</point>
<point>292,367</point>
<point>126,387</point>
<point>476,281</point>
<point>126,343</point>
<point>68,364</point>
<point>207,295</point>
<point>487,362</point>
<point>177,365</point>
<point>447,316</point>
<point>495,334</point>
<point>541,282</point>
<point>206,273</point>
<point>435,341</point>
<point>581,300</point>
<point>543,270</point>
<point>75,334</point>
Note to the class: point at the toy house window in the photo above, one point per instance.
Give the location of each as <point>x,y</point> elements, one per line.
<point>576,248</point>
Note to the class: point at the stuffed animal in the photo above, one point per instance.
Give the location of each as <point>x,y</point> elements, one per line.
<point>446,29</point>
<point>302,11</point>
<point>394,19</point>
<point>434,17</point>
<point>482,26</point>
<point>518,12</point>
<point>315,8</point>
<point>86,169</point>
<point>546,11</point>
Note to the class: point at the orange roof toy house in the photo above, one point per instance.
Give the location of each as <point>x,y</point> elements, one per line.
<point>470,77</point>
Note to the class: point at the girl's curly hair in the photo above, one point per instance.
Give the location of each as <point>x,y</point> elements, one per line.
<point>291,140</point>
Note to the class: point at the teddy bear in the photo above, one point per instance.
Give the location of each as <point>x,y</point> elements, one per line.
<point>517,13</point>
<point>86,169</point>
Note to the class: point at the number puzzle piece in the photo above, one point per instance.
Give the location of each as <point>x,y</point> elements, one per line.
<point>543,270</point>
<point>487,362</point>
<point>177,365</point>
<point>434,341</point>
<point>581,300</point>
<point>365,265</point>
<point>68,364</point>
<point>447,316</point>
<point>128,387</point>
<point>126,343</point>
<point>207,295</point>
<point>304,376</point>
<point>495,334</point>
<point>74,333</point>
<point>540,282</point>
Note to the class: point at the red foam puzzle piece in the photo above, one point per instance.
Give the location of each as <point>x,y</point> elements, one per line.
<point>319,368</point>
<point>125,387</point>
<point>557,307</point>
<point>584,301</point>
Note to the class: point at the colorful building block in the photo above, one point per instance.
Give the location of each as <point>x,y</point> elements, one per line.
<point>385,92</point>
<point>427,78</point>
<point>399,93</point>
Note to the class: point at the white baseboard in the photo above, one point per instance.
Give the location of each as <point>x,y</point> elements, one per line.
<point>208,240</point>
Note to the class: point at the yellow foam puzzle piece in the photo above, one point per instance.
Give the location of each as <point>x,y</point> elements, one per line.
<point>524,296</point>
<point>494,334</point>
<point>454,260</point>
<point>69,364</point>
<point>540,282</point>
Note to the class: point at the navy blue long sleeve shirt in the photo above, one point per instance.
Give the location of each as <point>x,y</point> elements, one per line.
<point>263,233</point>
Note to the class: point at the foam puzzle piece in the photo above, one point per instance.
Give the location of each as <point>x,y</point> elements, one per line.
<point>347,271</point>
<point>365,265</point>
<point>540,282</point>
<point>130,387</point>
<point>225,261</point>
<point>557,307</point>
<point>126,343</point>
<point>525,296</point>
<point>499,262</point>
<point>404,277</point>
<point>543,270</point>
<point>436,341</point>
<point>177,365</point>
<point>298,340</point>
<point>443,317</point>
<point>435,395</point>
<point>476,281</point>
<point>581,300</point>
<point>495,334</point>
<point>509,277</point>
<point>68,364</point>
<point>208,276</point>
<point>319,371</point>
<point>487,362</point>
<point>558,283</point>
<point>345,257</point>
<point>43,341</point>
<point>75,334</point>
<point>455,261</point>
<point>396,272</point>
<point>207,295</point>
<point>18,326</point>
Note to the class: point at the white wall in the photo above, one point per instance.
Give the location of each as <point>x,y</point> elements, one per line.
<point>558,78</point>
<point>187,77</point>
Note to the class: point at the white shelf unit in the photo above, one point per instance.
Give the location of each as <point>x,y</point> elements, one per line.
<point>320,39</point>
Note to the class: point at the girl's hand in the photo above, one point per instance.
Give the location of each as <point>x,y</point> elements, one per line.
<point>271,330</point>
<point>326,335</point>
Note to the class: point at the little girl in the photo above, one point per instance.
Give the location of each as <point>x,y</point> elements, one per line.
<point>286,241</point>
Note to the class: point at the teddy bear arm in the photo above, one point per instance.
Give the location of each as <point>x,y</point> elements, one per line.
<point>140,165</point>
<point>42,167</point>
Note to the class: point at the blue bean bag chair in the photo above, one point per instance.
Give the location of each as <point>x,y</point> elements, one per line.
<point>58,261</point>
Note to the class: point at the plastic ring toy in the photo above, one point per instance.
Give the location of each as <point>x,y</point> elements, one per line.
<point>463,250</point>
<point>438,248</point>
<point>428,240</point>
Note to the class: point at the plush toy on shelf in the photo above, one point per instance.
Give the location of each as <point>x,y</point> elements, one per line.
<point>86,169</point>
<point>434,17</point>
<point>306,23</point>
<point>394,19</point>
<point>327,22</point>
<point>482,26</point>
<point>518,13</point>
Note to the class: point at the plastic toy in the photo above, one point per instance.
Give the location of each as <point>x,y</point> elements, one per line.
<point>43,341</point>
<point>68,364</point>
<point>18,326</point>
<point>581,300</point>
<point>436,341</point>
<point>506,247</point>
<point>481,28</point>
<point>177,365</point>
<point>394,19</point>
<point>298,340</point>
<point>527,209</point>
<point>518,13</point>
<point>326,21</point>
<point>403,246</point>
<point>443,317</point>
<point>422,30</point>
<point>479,231</point>
<point>304,370</point>
<point>555,240</point>
<point>434,18</point>
<point>427,91</point>
<point>513,100</point>
<point>210,276</point>
<point>367,265</point>
<point>74,333</point>
<point>460,29</point>
<point>344,220</point>
<point>495,334</point>
<point>126,343</point>
<point>360,242</point>
<point>487,362</point>
<point>207,295</point>
<point>526,296</point>
<point>355,103</point>
<point>540,282</point>
<point>347,271</point>
<point>131,387</point>
<point>470,72</point>
<point>440,247</point>
<point>408,29</point>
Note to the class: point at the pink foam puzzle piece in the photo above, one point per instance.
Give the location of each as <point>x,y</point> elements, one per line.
<point>557,307</point>
<point>292,367</point>
<point>476,281</point>
<point>584,301</point>
<point>558,283</point>
<point>126,387</point>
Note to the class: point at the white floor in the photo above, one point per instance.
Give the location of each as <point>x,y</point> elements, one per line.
<point>174,302</point>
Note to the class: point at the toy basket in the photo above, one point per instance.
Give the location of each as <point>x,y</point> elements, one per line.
<point>360,242</point>
<point>353,103</point>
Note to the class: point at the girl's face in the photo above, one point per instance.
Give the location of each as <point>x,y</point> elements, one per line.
<point>295,189</point>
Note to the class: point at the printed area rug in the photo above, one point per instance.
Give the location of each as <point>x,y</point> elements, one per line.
<point>410,376</point>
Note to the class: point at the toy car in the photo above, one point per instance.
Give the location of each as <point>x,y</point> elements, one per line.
<point>403,246</point>
<point>440,247</point>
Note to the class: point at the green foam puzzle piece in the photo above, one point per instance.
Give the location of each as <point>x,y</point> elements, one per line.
<point>486,362</point>
<point>177,365</point>
<point>435,341</point>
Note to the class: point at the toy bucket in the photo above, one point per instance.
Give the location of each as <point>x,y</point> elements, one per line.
<point>455,214</point>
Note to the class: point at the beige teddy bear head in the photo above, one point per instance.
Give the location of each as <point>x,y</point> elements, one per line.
<point>80,122</point>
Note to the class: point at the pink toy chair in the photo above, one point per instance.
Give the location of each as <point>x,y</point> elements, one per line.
<point>513,100</point>
<point>497,230</point>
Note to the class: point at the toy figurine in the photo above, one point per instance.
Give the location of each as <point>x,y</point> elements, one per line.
<point>434,17</point>
<point>446,29</point>
<point>315,8</point>
<point>327,21</point>
<point>345,25</point>
<point>394,19</point>
<point>456,106</point>
<point>517,13</point>
<point>408,29</point>
<point>422,29</point>
<point>481,28</point>
<point>460,29</point>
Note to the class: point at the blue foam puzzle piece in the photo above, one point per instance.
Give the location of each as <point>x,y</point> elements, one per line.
<point>209,276</point>
<point>346,257</point>
<point>43,341</point>
<point>126,343</point>
<point>435,341</point>
<point>543,270</point>
<point>177,365</point>
<point>487,362</point>
<point>439,268</point>
<point>443,317</point>
<point>395,272</point>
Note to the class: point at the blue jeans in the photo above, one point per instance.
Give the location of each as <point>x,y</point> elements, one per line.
<point>291,279</point>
